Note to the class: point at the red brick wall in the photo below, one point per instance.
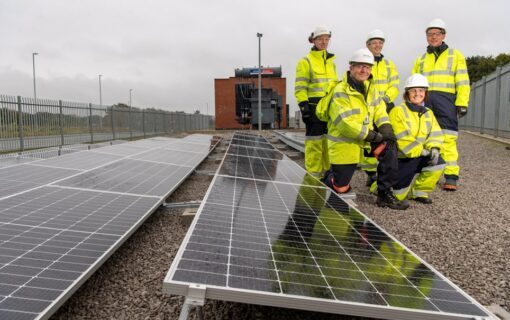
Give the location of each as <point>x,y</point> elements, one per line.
<point>225,99</point>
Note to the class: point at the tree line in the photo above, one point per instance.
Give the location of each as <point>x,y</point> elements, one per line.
<point>479,66</point>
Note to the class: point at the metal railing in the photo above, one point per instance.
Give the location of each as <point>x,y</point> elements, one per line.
<point>489,105</point>
<point>28,124</point>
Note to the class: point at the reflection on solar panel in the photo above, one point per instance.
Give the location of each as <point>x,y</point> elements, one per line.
<point>298,245</point>
<point>58,225</point>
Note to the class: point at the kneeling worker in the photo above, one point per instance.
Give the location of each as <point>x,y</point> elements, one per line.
<point>357,121</point>
<point>419,141</point>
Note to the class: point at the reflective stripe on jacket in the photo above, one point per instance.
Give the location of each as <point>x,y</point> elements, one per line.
<point>415,131</point>
<point>386,79</point>
<point>313,75</point>
<point>351,118</point>
<point>447,74</point>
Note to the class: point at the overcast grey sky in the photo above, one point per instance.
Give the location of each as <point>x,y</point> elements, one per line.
<point>169,52</point>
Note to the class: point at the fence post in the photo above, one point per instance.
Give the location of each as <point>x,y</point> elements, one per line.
<point>113,124</point>
<point>484,91</point>
<point>61,122</point>
<point>498,101</point>
<point>90,124</point>
<point>20,125</point>
<point>143,122</point>
<point>130,124</point>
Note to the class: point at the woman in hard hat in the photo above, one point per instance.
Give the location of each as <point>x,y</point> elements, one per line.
<point>314,73</point>
<point>358,121</point>
<point>419,142</point>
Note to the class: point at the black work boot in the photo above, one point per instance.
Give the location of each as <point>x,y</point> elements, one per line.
<point>387,199</point>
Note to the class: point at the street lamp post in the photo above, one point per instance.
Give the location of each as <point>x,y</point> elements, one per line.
<point>130,124</point>
<point>33,69</point>
<point>100,93</point>
<point>259,35</point>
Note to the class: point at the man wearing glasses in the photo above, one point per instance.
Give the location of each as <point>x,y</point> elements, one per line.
<point>355,111</point>
<point>446,72</point>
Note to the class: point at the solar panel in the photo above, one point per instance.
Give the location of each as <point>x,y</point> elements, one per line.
<point>79,160</point>
<point>131,176</point>
<point>22,177</point>
<point>253,144</point>
<point>182,158</point>
<point>52,239</point>
<point>301,246</point>
<point>58,225</point>
<point>265,169</point>
<point>255,152</point>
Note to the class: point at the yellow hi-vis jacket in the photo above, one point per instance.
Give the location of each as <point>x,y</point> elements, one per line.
<point>447,74</point>
<point>415,131</point>
<point>313,75</point>
<point>351,118</point>
<point>386,79</point>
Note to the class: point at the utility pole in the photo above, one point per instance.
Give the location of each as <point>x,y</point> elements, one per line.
<point>259,35</point>
<point>100,93</point>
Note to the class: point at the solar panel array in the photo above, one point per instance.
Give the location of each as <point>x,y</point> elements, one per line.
<point>62,217</point>
<point>263,236</point>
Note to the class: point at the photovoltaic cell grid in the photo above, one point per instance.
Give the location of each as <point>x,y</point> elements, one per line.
<point>301,246</point>
<point>55,232</point>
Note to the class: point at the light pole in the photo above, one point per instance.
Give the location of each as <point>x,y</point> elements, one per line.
<point>33,69</point>
<point>100,93</point>
<point>130,125</point>
<point>259,35</point>
<point>207,108</point>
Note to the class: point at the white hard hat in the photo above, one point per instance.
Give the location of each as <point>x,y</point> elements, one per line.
<point>319,31</point>
<point>375,34</point>
<point>362,56</point>
<point>417,81</point>
<point>436,24</point>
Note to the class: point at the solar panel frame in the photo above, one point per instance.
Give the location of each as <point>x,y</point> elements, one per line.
<point>202,276</point>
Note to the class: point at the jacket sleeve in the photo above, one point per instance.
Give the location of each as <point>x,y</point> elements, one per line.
<point>302,80</point>
<point>406,142</point>
<point>436,137</point>
<point>461,81</point>
<point>393,82</point>
<point>416,67</point>
<point>380,114</point>
<point>347,117</point>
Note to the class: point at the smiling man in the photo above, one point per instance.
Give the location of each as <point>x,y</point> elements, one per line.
<point>448,95</point>
<point>359,121</point>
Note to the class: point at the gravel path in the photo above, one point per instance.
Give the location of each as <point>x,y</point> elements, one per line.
<point>465,235</point>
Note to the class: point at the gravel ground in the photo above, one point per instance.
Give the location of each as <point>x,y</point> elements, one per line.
<point>465,235</point>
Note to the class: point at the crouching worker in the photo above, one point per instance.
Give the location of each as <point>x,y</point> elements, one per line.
<point>419,140</point>
<point>358,121</point>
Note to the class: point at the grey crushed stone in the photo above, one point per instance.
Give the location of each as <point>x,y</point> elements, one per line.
<point>464,235</point>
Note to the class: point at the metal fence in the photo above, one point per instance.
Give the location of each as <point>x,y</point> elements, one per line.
<point>489,105</point>
<point>27,124</point>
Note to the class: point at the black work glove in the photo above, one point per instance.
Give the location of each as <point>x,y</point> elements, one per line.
<point>374,137</point>
<point>461,111</point>
<point>305,111</point>
<point>434,157</point>
<point>389,106</point>
<point>387,132</point>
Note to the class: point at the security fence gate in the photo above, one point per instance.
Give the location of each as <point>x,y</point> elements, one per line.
<point>26,123</point>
